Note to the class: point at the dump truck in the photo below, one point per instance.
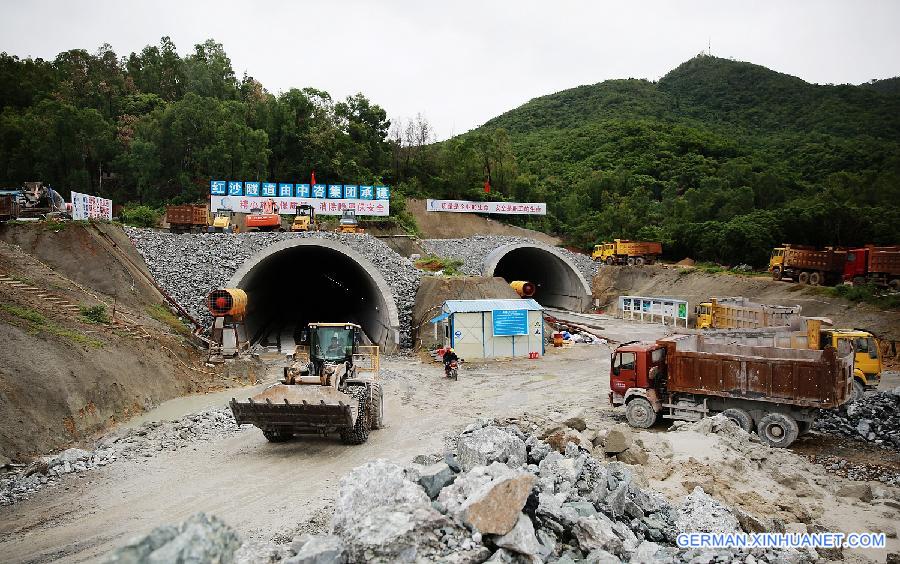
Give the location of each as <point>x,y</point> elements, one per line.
<point>816,333</point>
<point>223,222</point>
<point>187,218</point>
<point>331,387</point>
<point>623,251</point>
<point>741,313</point>
<point>776,391</point>
<point>304,219</point>
<point>349,223</point>
<point>874,265</point>
<point>807,265</point>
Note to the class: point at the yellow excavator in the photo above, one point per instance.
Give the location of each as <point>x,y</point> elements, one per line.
<point>305,219</point>
<point>331,387</point>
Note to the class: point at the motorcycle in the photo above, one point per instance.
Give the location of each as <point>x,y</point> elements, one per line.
<point>453,370</point>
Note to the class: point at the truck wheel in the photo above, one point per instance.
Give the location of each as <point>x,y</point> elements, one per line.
<point>857,391</point>
<point>895,284</point>
<point>778,430</point>
<point>815,278</point>
<point>610,261</point>
<point>640,414</point>
<point>803,278</point>
<point>377,406</point>
<point>275,436</point>
<point>741,417</point>
<point>359,433</point>
<point>776,273</point>
<point>630,261</point>
<point>639,261</point>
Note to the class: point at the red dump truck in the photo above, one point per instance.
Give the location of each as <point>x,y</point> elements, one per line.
<point>183,219</point>
<point>874,265</point>
<point>8,207</point>
<point>776,391</point>
<point>807,265</point>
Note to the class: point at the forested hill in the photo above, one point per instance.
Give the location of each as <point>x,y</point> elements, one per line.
<point>721,160</point>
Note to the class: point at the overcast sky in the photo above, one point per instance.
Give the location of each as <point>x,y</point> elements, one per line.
<point>462,62</point>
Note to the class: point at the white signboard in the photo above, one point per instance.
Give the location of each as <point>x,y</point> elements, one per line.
<point>653,309</point>
<point>463,206</point>
<point>286,206</point>
<point>85,206</point>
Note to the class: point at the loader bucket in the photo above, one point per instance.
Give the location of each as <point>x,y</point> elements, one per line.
<point>297,409</point>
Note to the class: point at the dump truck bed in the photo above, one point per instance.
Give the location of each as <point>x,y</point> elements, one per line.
<point>186,215</point>
<point>297,409</point>
<point>828,260</point>
<point>638,248</point>
<point>740,313</point>
<point>799,377</point>
<point>884,260</point>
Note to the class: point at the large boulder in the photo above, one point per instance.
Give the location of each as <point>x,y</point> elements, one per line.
<point>521,538</point>
<point>490,444</point>
<point>700,513</point>
<point>596,532</point>
<point>200,538</point>
<point>488,499</point>
<point>618,439</point>
<point>376,484</point>
<point>435,477</point>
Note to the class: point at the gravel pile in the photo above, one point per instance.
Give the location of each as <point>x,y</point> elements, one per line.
<point>874,418</point>
<point>189,266</point>
<point>141,442</point>
<point>474,250</point>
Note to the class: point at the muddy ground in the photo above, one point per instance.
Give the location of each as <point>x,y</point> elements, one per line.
<point>272,492</point>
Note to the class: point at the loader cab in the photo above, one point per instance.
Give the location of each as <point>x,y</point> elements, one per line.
<point>333,342</point>
<point>304,218</point>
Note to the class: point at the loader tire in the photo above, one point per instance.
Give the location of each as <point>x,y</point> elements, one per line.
<point>778,430</point>
<point>277,436</point>
<point>740,417</point>
<point>377,406</point>
<point>359,433</point>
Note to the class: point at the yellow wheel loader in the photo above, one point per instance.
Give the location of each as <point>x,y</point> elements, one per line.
<point>305,219</point>
<point>331,387</point>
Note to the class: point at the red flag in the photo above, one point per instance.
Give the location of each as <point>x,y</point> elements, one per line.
<point>312,180</point>
<point>487,186</point>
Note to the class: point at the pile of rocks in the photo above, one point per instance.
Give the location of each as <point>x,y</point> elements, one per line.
<point>510,497</point>
<point>473,250</point>
<point>140,442</point>
<point>189,266</point>
<point>200,538</point>
<point>874,418</point>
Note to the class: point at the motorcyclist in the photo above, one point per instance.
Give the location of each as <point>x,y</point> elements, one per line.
<point>449,356</point>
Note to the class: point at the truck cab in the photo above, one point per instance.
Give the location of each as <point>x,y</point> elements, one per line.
<point>637,370</point>
<point>602,251</point>
<point>776,263</point>
<point>704,315</point>
<point>867,362</point>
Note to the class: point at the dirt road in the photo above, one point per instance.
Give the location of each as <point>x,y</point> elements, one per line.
<point>261,488</point>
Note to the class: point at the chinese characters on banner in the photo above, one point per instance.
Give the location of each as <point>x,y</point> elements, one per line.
<point>286,206</point>
<point>90,207</point>
<point>462,206</point>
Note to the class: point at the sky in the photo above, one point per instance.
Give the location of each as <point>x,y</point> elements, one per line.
<point>461,62</point>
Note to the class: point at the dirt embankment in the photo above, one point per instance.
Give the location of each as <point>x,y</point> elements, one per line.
<point>63,376</point>
<point>437,225</point>
<point>696,286</point>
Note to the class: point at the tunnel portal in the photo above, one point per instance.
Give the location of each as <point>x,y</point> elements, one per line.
<point>295,282</point>
<point>560,284</point>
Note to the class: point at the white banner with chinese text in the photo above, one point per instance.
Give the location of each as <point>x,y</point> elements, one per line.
<point>85,206</point>
<point>286,206</point>
<point>463,206</point>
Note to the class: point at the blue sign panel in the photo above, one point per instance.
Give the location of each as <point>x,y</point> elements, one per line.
<point>235,188</point>
<point>269,189</point>
<point>217,187</point>
<point>318,190</point>
<point>302,191</point>
<point>510,322</point>
<point>366,192</point>
<point>285,190</point>
<point>382,193</point>
<point>350,191</point>
<point>251,188</point>
<point>335,191</point>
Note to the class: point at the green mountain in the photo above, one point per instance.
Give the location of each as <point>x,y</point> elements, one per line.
<point>720,160</point>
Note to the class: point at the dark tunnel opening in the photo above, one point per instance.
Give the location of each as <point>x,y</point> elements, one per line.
<point>293,286</point>
<point>559,285</point>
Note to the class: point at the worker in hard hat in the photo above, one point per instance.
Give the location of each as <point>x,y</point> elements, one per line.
<point>449,356</point>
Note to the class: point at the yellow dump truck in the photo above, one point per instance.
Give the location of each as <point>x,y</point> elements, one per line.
<point>741,313</point>
<point>623,251</point>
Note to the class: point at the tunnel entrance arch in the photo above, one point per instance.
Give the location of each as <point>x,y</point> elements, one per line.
<point>560,284</point>
<point>295,282</point>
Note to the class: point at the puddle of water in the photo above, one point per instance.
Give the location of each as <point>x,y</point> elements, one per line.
<point>179,407</point>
